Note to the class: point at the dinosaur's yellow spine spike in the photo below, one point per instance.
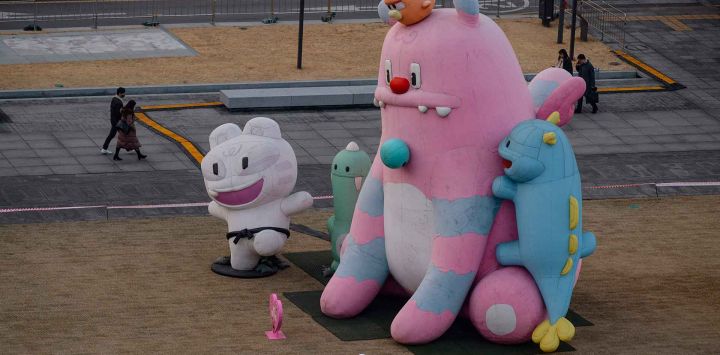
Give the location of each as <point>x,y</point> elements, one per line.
<point>554,118</point>
<point>574,212</point>
<point>567,267</point>
<point>572,244</point>
<point>549,138</point>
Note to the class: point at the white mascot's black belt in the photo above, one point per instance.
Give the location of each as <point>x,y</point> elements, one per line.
<point>250,233</point>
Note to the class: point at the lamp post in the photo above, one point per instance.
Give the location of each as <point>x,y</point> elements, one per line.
<point>572,30</point>
<point>300,34</point>
<point>561,22</point>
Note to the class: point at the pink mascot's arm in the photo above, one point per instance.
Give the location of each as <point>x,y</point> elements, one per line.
<point>556,90</point>
<point>464,210</point>
<point>363,266</point>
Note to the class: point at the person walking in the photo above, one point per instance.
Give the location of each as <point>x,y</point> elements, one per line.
<point>586,71</point>
<point>116,106</point>
<point>564,61</point>
<point>127,139</point>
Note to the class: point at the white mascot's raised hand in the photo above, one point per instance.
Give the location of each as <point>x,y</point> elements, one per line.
<point>249,174</point>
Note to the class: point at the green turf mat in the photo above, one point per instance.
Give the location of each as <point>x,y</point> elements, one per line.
<point>374,322</point>
<point>312,263</point>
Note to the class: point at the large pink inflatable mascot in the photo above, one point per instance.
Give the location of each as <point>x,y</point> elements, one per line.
<point>450,89</point>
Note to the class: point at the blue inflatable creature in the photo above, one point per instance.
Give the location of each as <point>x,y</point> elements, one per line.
<point>542,179</point>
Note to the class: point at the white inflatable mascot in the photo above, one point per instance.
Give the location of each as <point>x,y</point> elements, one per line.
<point>249,174</point>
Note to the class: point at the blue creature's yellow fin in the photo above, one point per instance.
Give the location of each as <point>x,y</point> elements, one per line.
<point>554,118</point>
<point>572,244</point>
<point>550,138</point>
<point>568,266</point>
<point>574,212</point>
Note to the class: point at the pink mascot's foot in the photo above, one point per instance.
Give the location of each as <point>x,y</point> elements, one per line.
<point>506,306</point>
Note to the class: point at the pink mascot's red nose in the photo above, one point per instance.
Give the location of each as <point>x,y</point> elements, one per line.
<point>399,85</point>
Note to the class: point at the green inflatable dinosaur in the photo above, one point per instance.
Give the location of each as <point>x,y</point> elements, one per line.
<point>349,169</point>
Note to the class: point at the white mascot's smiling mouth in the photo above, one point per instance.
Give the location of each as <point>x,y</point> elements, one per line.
<point>242,196</point>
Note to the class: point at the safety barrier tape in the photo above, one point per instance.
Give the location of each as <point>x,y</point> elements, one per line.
<point>328,197</point>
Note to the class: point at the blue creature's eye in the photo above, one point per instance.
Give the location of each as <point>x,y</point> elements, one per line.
<point>347,169</point>
<point>335,167</point>
<point>507,145</point>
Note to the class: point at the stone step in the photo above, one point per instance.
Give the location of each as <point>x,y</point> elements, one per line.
<point>298,97</point>
<point>357,95</point>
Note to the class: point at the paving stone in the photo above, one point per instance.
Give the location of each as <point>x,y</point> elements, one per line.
<point>66,160</point>
<point>644,122</point>
<point>8,171</point>
<point>18,153</point>
<point>168,165</point>
<point>324,151</point>
<point>300,135</point>
<point>78,143</point>
<point>34,170</point>
<point>12,145</point>
<point>101,168</point>
<point>677,147</point>
<point>634,140</point>
<point>665,138</point>
<point>129,166</point>
<point>613,123</point>
<point>313,143</point>
<point>695,138</point>
<point>335,133</point>
<point>625,131</point>
<point>68,169</point>
<point>325,159</point>
<point>24,162</point>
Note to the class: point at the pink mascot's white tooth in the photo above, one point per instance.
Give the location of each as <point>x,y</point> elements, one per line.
<point>422,109</point>
<point>382,104</point>
<point>376,102</point>
<point>443,111</point>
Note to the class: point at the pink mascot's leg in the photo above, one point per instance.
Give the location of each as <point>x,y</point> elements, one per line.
<point>464,212</point>
<point>363,267</point>
<point>506,306</point>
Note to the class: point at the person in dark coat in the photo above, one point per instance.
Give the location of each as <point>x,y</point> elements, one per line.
<point>564,61</point>
<point>128,141</point>
<point>115,106</point>
<point>586,71</point>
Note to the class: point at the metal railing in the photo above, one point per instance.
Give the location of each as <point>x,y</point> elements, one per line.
<point>25,11</point>
<point>605,20</point>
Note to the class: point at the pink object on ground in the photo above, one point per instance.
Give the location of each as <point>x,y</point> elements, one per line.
<point>276,313</point>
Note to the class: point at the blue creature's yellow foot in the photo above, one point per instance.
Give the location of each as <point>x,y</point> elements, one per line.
<point>549,336</point>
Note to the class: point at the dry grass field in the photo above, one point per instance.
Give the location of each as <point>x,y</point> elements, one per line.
<point>268,53</point>
<point>145,286</point>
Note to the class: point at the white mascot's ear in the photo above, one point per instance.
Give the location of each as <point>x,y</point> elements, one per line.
<point>223,133</point>
<point>263,127</point>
